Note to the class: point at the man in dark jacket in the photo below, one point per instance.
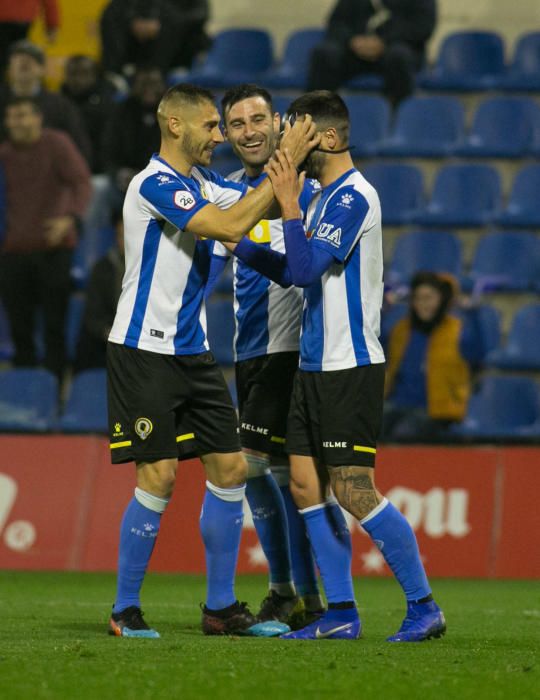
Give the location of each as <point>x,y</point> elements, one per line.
<point>387,37</point>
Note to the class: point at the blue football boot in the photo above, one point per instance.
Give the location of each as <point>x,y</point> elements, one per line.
<point>423,621</point>
<point>328,627</point>
<point>130,623</point>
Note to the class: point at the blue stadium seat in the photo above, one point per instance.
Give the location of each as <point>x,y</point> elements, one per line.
<point>225,164</point>
<point>6,345</point>
<point>463,195</point>
<point>506,260</point>
<point>77,303</point>
<point>220,329</point>
<point>400,188</point>
<point>389,317</point>
<point>436,251</point>
<point>86,406</point>
<point>490,327</point>
<point>503,127</point>
<point>429,127</point>
<point>523,74</point>
<point>467,61</point>
<point>28,400</point>
<point>504,407</point>
<point>370,82</point>
<point>369,120</point>
<point>523,208</point>
<point>236,56</point>
<point>292,70</point>
<point>522,348</point>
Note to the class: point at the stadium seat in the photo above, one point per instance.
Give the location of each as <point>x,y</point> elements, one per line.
<point>437,251</point>
<point>220,330</point>
<point>91,246</point>
<point>400,188</point>
<point>467,61</point>
<point>371,82</point>
<point>281,102</point>
<point>292,70</point>
<point>506,260</point>
<point>389,317</point>
<point>28,400</point>
<point>6,345</point>
<point>503,127</point>
<point>370,121</point>
<point>504,407</point>
<point>74,319</point>
<point>523,208</point>
<point>86,405</point>
<point>428,127</point>
<point>522,348</point>
<point>523,74</point>
<point>236,56</point>
<point>463,195</point>
<point>225,164</point>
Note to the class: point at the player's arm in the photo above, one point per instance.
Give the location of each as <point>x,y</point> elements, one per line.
<point>306,263</point>
<point>233,223</point>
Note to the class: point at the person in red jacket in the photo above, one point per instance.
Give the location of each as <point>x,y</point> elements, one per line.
<point>16,17</point>
<point>44,189</point>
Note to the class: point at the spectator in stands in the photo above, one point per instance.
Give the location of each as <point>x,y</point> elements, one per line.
<point>132,133</point>
<point>102,296</point>
<point>26,70</point>
<point>16,18</point>
<point>94,98</point>
<point>162,33</point>
<point>386,37</point>
<point>45,190</point>
<point>430,356</point>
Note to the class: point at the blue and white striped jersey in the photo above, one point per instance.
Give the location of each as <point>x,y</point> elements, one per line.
<point>341,319</point>
<point>161,305</point>
<point>267,316</point>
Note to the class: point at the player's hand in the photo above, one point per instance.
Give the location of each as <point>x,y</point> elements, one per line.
<point>286,183</point>
<point>56,229</point>
<point>300,139</point>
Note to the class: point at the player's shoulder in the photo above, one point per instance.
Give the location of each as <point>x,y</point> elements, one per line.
<point>212,179</point>
<point>354,191</point>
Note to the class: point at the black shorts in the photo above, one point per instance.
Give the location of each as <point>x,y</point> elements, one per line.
<point>264,387</point>
<point>167,406</point>
<point>336,416</point>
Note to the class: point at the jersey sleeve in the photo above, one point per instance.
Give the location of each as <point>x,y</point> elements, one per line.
<point>173,201</point>
<point>342,223</point>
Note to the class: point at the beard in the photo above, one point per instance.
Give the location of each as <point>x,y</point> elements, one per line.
<point>313,165</point>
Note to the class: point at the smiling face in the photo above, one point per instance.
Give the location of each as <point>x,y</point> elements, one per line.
<point>200,133</point>
<point>426,301</point>
<point>252,130</point>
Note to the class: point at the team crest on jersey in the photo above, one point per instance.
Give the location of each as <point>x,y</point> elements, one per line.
<point>328,233</point>
<point>143,427</point>
<point>184,199</point>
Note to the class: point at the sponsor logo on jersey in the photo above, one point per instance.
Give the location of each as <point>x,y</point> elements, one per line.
<point>332,443</point>
<point>164,180</point>
<point>143,427</point>
<point>328,233</point>
<point>255,429</point>
<point>157,334</point>
<point>184,199</point>
<point>118,430</point>
<point>346,200</point>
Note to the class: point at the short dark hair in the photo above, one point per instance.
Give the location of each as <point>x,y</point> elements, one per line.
<point>327,109</point>
<point>243,92</point>
<point>23,46</point>
<point>18,100</point>
<point>188,94</point>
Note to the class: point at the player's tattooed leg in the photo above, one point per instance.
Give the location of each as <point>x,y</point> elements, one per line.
<point>354,490</point>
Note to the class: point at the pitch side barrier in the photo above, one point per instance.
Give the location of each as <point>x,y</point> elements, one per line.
<point>474,509</point>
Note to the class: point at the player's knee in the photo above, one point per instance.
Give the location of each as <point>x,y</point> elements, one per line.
<point>157,478</point>
<point>304,492</point>
<point>355,490</point>
<point>230,471</point>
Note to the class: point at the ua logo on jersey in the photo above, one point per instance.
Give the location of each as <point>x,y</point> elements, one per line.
<point>327,233</point>
<point>184,199</point>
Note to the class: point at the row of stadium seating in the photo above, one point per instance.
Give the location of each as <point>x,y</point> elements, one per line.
<point>466,61</point>
<point>503,406</point>
<point>435,127</point>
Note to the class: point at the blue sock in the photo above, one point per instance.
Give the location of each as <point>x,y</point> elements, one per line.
<point>393,535</point>
<point>303,566</point>
<point>331,542</point>
<point>221,527</point>
<point>138,533</point>
<point>270,520</point>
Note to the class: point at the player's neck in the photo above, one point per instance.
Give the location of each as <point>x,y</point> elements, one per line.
<point>253,170</point>
<point>176,160</point>
<point>334,167</point>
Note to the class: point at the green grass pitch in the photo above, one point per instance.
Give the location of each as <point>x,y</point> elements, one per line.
<point>53,645</point>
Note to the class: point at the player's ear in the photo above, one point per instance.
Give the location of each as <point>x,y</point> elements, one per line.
<point>329,138</point>
<point>276,123</point>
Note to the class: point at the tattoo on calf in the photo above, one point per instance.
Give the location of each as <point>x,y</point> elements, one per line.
<point>354,490</point>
